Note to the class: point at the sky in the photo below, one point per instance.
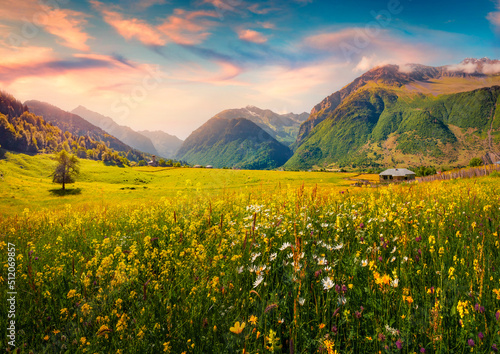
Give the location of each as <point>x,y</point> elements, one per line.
<point>171,65</point>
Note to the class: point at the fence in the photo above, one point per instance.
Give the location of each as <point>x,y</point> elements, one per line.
<point>462,173</point>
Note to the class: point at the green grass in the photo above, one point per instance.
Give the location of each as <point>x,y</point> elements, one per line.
<point>26,182</point>
<point>304,268</point>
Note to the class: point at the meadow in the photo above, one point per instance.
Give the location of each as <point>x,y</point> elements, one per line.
<point>249,262</point>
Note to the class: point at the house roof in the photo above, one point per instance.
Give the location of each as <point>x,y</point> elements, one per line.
<point>397,172</point>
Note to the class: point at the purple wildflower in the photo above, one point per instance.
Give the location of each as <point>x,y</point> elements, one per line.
<point>494,348</point>
<point>399,344</point>
<point>470,342</point>
<point>422,350</point>
<point>481,335</point>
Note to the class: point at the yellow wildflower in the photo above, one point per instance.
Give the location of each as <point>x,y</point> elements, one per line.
<point>237,329</point>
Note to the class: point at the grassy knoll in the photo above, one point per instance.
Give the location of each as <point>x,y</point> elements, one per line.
<point>26,183</point>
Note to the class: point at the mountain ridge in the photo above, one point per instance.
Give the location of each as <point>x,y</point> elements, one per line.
<point>237,142</point>
<point>388,111</point>
<point>123,133</point>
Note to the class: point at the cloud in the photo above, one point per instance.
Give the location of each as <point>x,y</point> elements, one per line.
<point>365,64</point>
<point>257,9</point>
<point>266,25</point>
<point>183,27</point>
<point>471,67</point>
<point>187,27</point>
<point>491,69</point>
<point>144,4</point>
<point>130,28</point>
<point>494,17</point>
<point>369,47</point>
<point>67,25</point>
<point>468,68</point>
<point>252,36</point>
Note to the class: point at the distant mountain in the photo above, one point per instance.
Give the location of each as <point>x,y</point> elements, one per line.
<point>74,124</point>
<point>166,144</point>
<point>282,127</point>
<point>236,142</point>
<point>412,114</point>
<point>23,131</point>
<point>123,133</point>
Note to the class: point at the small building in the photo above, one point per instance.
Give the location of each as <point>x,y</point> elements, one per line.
<point>497,163</point>
<point>153,162</point>
<point>209,166</point>
<point>197,166</point>
<point>397,175</point>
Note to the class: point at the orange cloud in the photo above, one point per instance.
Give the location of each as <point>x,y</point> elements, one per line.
<point>130,28</point>
<point>187,27</point>
<point>68,25</point>
<point>183,27</point>
<point>252,36</point>
<point>65,24</point>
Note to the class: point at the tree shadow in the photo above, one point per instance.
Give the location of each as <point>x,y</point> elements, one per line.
<point>62,193</point>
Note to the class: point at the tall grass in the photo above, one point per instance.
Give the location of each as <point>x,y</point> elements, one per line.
<point>408,268</point>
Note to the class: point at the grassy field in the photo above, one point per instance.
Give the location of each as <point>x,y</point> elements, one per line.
<point>254,263</point>
<point>26,183</point>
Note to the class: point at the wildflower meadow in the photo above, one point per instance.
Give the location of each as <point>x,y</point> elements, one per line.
<point>283,269</point>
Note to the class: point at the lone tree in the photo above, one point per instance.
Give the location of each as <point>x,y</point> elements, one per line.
<point>66,169</point>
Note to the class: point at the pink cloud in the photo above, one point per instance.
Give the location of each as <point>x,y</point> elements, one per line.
<point>494,18</point>
<point>219,73</point>
<point>65,24</point>
<point>366,48</point>
<point>143,4</point>
<point>183,27</point>
<point>266,25</point>
<point>187,27</point>
<point>130,28</point>
<point>68,25</point>
<point>252,36</point>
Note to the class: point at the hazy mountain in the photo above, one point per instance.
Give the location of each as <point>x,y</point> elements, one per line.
<point>74,124</point>
<point>413,114</point>
<point>166,144</point>
<point>236,142</point>
<point>23,131</point>
<point>123,133</point>
<point>282,127</point>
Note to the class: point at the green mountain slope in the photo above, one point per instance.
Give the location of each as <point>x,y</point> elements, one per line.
<point>123,133</point>
<point>378,127</point>
<point>23,131</point>
<point>282,127</point>
<point>74,124</point>
<point>233,143</point>
<point>412,116</point>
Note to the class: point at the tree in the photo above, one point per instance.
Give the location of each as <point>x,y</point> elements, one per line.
<point>66,170</point>
<point>475,162</point>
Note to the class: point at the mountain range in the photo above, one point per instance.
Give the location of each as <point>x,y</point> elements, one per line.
<point>238,142</point>
<point>282,127</point>
<point>406,115</point>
